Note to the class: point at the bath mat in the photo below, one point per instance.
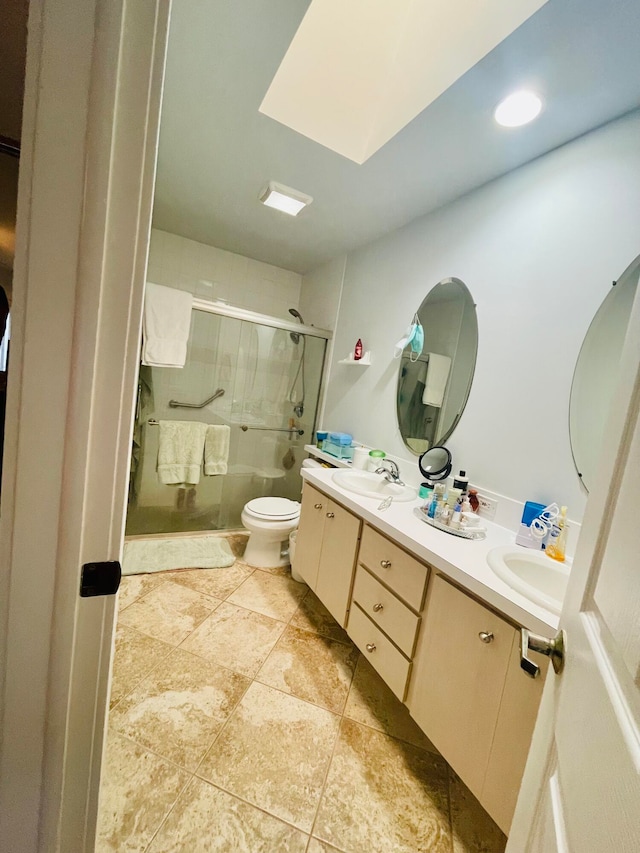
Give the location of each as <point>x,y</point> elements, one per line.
<point>182,552</point>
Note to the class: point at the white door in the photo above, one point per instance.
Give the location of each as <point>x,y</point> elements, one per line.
<point>581,789</point>
<point>90,127</point>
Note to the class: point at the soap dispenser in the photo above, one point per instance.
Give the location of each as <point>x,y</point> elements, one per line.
<point>557,542</point>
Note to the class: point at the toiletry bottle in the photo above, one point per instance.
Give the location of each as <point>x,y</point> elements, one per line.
<point>455,517</point>
<point>453,495</point>
<point>357,353</point>
<point>557,541</point>
<point>433,504</point>
<point>445,515</point>
<point>466,504</point>
<point>473,499</point>
<point>461,482</point>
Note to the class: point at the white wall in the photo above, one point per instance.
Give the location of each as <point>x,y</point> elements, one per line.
<point>538,250</point>
<point>212,273</point>
<point>320,293</point>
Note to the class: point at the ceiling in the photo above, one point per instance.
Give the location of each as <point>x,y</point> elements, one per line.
<point>374,86</point>
<point>217,150</point>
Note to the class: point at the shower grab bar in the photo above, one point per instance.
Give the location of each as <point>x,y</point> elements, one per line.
<point>174,404</point>
<point>244,428</point>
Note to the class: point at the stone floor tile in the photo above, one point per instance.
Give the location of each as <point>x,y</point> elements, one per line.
<point>382,794</point>
<point>473,830</point>
<point>208,820</point>
<point>236,638</point>
<point>137,792</point>
<point>371,702</point>
<point>312,615</point>
<point>276,596</point>
<point>274,753</point>
<point>311,667</point>
<point>136,655</point>
<point>170,612</point>
<point>180,707</point>
<point>218,583</point>
<point>133,587</point>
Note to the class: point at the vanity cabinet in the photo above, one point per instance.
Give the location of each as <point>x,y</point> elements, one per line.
<point>388,593</point>
<point>326,548</point>
<point>471,698</point>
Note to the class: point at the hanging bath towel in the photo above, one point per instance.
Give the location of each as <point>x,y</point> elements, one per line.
<point>180,451</point>
<point>216,449</point>
<point>436,381</point>
<point>166,325</point>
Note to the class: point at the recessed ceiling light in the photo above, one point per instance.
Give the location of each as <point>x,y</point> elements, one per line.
<point>518,109</point>
<point>284,198</point>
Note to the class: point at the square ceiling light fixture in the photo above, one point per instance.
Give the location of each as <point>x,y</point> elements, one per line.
<point>284,198</point>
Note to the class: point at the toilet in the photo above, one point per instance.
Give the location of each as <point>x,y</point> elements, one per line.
<point>269,522</point>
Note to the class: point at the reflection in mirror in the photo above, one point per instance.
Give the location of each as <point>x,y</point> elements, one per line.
<point>433,389</point>
<point>594,379</point>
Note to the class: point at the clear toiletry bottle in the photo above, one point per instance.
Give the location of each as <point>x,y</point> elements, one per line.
<point>557,541</point>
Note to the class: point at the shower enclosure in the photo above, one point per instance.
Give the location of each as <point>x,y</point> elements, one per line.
<point>259,375</point>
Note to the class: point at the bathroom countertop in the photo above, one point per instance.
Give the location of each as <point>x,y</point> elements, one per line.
<point>462,560</point>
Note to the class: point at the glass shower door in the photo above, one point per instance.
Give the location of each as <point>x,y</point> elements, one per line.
<point>270,379</point>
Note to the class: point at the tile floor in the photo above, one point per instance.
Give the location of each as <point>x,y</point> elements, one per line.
<point>243,720</point>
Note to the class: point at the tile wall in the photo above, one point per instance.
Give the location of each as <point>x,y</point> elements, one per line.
<point>212,273</point>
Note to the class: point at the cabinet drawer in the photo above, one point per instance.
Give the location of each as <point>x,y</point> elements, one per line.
<point>381,653</point>
<point>387,611</point>
<point>403,573</point>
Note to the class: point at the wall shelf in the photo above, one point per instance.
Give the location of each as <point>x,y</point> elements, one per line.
<point>365,361</point>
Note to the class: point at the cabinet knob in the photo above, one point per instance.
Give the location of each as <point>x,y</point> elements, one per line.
<point>330,515</point>
<point>486,636</point>
<point>377,607</point>
<point>386,564</point>
<point>371,647</point>
<point>317,506</point>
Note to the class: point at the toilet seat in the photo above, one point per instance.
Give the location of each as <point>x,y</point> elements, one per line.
<point>273,509</point>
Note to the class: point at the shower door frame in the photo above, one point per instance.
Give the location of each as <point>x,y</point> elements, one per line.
<point>232,312</point>
<point>236,313</point>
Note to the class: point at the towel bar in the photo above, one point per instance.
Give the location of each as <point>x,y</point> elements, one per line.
<point>244,428</point>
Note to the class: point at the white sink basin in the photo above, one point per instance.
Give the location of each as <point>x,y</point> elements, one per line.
<point>371,485</point>
<point>532,574</point>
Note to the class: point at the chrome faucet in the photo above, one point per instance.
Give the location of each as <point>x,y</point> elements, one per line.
<point>392,474</point>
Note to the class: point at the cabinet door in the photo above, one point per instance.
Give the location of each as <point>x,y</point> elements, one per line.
<point>512,739</point>
<point>309,538</point>
<point>458,679</point>
<point>337,560</point>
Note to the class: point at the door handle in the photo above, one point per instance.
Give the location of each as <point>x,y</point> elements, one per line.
<point>554,648</point>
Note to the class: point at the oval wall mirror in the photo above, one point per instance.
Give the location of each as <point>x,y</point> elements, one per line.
<point>594,379</point>
<point>433,387</point>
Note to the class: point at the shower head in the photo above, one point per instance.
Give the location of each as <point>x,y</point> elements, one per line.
<point>295,337</point>
<point>295,313</point>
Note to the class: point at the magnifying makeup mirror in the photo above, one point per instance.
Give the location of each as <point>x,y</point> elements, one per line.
<point>435,464</point>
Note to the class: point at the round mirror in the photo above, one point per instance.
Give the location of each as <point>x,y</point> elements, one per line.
<point>435,464</point>
<point>433,386</point>
<point>594,379</point>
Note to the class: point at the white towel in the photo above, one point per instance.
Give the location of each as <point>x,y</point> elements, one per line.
<point>167,320</point>
<point>216,450</point>
<point>436,382</point>
<point>181,446</point>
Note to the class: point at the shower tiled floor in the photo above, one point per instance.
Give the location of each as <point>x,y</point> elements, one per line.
<point>243,720</point>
